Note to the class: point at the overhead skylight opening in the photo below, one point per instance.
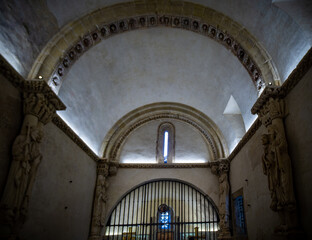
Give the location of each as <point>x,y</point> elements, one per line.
<point>166,140</point>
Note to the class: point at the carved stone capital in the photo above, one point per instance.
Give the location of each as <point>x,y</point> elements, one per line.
<point>40,100</point>
<point>270,105</point>
<point>113,167</point>
<point>102,167</point>
<point>220,166</point>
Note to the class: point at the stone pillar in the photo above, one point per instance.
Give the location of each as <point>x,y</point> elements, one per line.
<point>99,202</point>
<point>221,169</point>
<point>39,106</point>
<point>104,170</point>
<point>276,162</point>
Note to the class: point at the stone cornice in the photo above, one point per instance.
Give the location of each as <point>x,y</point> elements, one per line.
<point>58,121</point>
<point>30,86</point>
<point>9,73</point>
<point>268,92</point>
<point>281,92</point>
<point>298,73</point>
<point>172,165</point>
<point>251,131</point>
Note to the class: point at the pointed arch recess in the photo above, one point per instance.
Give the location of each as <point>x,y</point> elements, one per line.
<point>115,138</point>
<point>79,36</point>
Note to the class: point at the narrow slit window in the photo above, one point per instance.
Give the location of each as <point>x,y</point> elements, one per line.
<point>166,140</point>
<point>165,143</point>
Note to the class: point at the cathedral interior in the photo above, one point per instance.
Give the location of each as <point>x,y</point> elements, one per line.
<point>155,119</point>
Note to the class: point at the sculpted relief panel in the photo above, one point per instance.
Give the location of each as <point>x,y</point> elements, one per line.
<point>39,108</point>
<point>276,161</point>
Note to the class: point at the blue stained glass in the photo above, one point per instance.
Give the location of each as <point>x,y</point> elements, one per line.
<point>165,220</point>
<point>239,215</point>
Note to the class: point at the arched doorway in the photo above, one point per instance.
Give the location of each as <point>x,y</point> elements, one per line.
<point>163,209</point>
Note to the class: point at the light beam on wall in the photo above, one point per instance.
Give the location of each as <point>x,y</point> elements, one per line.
<point>83,137</point>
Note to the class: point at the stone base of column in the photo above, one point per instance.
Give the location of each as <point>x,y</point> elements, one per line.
<point>224,234</point>
<point>95,238</point>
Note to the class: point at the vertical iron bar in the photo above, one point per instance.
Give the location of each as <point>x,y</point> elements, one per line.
<point>213,215</point>
<point>144,202</point>
<point>188,210</point>
<point>151,208</point>
<point>133,196</point>
<point>209,218</point>
<point>196,209</point>
<point>128,220</point>
<point>147,209</point>
<point>172,213</point>
<point>182,219</point>
<point>119,215</point>
<point>137,215</point>
<point>123,218</point>
<point>114,221</point>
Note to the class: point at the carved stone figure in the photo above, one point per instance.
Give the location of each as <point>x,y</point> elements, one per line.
<point>26,158</point>
<point>285,193</point>
<point>100,199</point>
<point>276,161</point>
<point>221,169</point>
<point>269,169</point>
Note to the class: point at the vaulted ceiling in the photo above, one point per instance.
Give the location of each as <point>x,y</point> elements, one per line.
<point>114,74</point>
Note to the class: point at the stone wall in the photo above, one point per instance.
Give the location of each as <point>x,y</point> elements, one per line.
<point>247,173</point>
<point>190,146</point>
<point>299,134</point>
<point>61,202</point>
<point>126,179</point>
<point>11,117</point>
<point>62,196</point>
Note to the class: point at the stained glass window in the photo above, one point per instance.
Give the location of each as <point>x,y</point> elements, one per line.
<point>240,224</point>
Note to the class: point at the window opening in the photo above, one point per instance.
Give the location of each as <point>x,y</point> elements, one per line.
<point>239,215</point>
<point>166,140</point>
<point>239,219</point>
<point>164,218</point>
<point>165,143</point>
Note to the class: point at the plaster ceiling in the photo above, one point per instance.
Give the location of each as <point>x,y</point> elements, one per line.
<point>141,67</point>
<point>272,26</point>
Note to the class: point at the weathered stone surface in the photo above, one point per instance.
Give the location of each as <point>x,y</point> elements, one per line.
<point>25,28</point>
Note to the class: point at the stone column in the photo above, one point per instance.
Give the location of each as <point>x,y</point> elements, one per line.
<point>104,170</point>
<point>39,106</point>
<point>221,169</point>
<point>276,162</point>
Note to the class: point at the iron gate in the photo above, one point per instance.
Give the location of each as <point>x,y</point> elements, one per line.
<point>161,210</point>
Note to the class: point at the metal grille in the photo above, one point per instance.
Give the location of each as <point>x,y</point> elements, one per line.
<point>192,214</point>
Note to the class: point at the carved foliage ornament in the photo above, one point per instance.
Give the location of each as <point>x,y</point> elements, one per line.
<point>272,109</point>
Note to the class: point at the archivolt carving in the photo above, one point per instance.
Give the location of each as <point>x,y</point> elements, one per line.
<point>137,15</point>
<point>204,125</point>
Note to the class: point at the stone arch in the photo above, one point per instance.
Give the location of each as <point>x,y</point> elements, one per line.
<point>173,183</point>
<point>78,36</point>
<point>116,137</point>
